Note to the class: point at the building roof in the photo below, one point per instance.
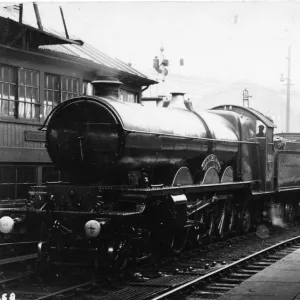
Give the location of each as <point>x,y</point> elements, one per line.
<point>87,51</point>
<point>8,18</point>
<point>74,47</point>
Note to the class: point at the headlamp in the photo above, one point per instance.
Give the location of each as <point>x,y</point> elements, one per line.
<point>92,228</point>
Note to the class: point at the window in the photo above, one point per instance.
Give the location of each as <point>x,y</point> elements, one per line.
<point>51,92</point>
<point>128,96</point>
<point>8,90</point>
<point>57,89</point>
<point>19,92</point>
<point>23,82</point>
<point>87,88</point>
<point>29,106</point>
<point>15,181</point>
<point>69,88</point>
<point>51,174</point>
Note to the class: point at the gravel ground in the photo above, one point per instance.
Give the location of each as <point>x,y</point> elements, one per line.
<point>229,252</point>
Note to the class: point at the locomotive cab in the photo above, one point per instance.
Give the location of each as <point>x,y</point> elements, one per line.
<point>261,146</point>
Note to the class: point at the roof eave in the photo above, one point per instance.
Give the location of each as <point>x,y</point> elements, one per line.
<point>86,63</point>
<point>53,39</point>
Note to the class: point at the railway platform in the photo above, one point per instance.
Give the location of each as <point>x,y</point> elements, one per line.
<point>280,281</point>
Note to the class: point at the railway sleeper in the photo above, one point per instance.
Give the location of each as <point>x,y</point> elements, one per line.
<point>286,252</point>
<point>231,280</point>
<point>197,298</point>
<point>224,289</point>
<point>208,293</point>
<point>295,247</point>
<point>270,260</point>
<point>252,272</point>
<point>254,268</point>
<point>223,285</point>
<point>275,257</point>
<point>240,275</point>
<point>262,263</point>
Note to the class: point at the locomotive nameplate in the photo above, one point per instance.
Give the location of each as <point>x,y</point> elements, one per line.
<point>211,161</point>
<point>35,136</point>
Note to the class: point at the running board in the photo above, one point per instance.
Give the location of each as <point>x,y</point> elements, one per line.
<point>186,189</point>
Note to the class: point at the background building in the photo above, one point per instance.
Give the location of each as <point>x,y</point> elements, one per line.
<point>40,68</point>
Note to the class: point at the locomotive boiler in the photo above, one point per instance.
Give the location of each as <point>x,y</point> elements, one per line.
<point>94,139</point>
<point>146,180</point>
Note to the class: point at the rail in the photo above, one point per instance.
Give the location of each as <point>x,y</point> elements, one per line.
<point>233,265</point>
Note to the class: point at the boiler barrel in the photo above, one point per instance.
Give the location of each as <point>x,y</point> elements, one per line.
<point>92,134</point>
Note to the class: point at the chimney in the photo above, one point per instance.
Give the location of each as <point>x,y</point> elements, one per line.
<point>107,87</point>
<point>177,101</point>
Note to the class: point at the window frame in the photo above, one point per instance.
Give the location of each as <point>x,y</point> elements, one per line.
<point>9,101</point>
<point>59,90</point>
<point>35,105</point>
<point>16,102</point>
<point>15,184</point>
<point>36,108</point>
<point>128,93</point>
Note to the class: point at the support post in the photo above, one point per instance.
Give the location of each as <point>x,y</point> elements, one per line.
<point>65,26</point>
<point>288,91</point>
<point>246,97</point>
<point>37,14</point>
<point>21,13</point>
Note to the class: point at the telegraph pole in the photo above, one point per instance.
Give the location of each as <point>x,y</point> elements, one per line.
<point>246,97</point>
<point>288,92</point>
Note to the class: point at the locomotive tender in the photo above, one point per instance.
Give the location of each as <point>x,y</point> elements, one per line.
<point>146,179</point>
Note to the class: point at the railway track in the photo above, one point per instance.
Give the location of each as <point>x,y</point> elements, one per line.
<point>176,277</point>
<point>29,286</point>
<point>24,276</point>
<point>216,283</point>
<point>17,248</point>
<point>198,278</point>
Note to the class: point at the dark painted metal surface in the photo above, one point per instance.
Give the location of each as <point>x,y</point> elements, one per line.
<point>288,169</point>
<point>90,133</point>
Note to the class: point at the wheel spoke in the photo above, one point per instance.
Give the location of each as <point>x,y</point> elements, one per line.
<point>180,239</point>
<point>209,233</point>
<point>245,221</point>
<point>221,223</point>
<point>232,218</point>
<point>289,211</point>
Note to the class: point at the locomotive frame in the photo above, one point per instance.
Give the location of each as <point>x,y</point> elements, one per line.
<point>230,188</point>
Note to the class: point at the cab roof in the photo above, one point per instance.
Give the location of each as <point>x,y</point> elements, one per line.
<point>239,109</point>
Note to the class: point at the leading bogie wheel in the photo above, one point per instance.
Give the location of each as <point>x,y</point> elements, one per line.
<point>180,238</point>
<point>119,254</point>
<point>42,262</point>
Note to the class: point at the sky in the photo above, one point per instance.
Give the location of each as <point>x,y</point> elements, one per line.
<point>222,41</point>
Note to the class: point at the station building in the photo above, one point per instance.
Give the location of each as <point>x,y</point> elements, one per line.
<point>39,69</point>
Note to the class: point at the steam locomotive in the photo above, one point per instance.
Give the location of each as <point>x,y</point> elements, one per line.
<point>145,180</point>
